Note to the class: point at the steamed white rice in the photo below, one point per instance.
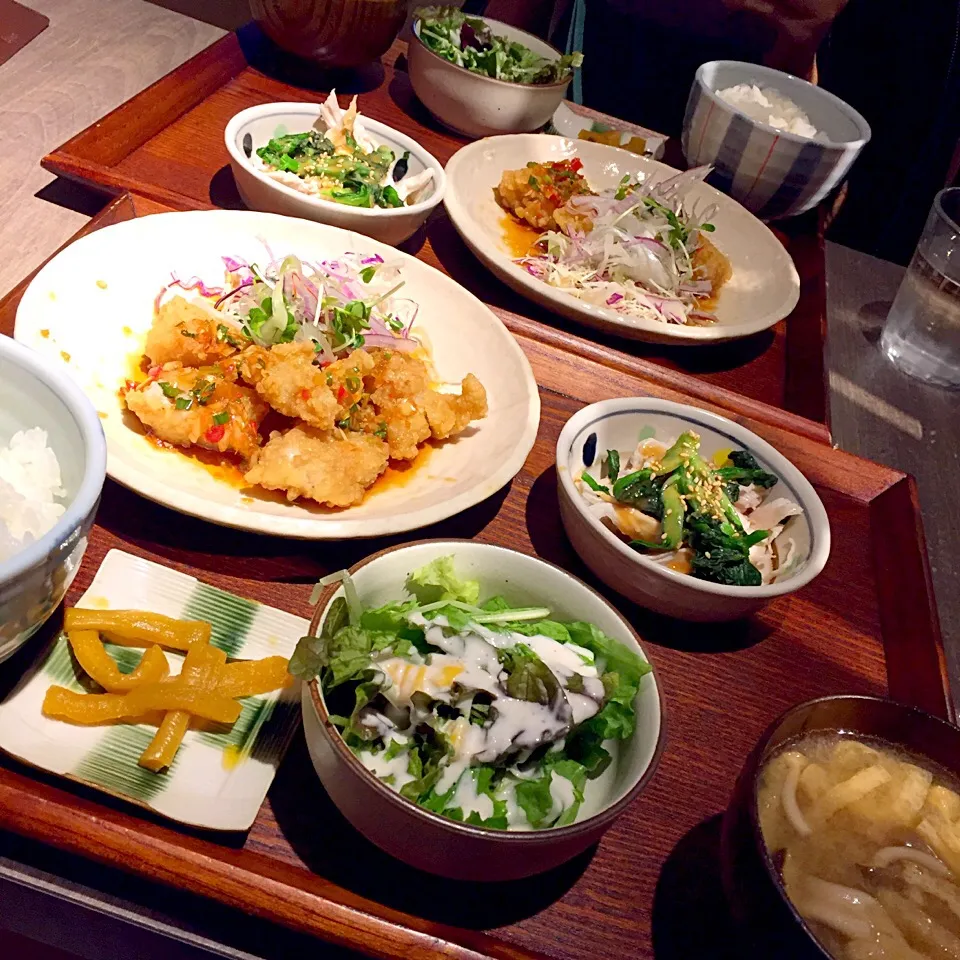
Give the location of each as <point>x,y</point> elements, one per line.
<point>769,106</point>
<point>29,488</point>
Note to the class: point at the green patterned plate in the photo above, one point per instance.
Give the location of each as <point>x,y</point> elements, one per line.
<point>219,779</point>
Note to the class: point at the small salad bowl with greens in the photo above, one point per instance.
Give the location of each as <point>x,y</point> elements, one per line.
<point>319,161</point>
<point>685,512</point>
<point>473,711</point>
<point>481,77</point>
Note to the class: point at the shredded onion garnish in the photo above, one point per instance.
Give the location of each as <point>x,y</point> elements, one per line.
<point>630,249</point>
<point>339,305</point>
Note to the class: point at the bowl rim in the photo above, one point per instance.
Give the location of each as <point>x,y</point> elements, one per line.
<point>813,509</point>
<point>309,108</point>
<point>519,837</point>
<point>761,70</point>
<point>415,31</point>
<point>88,493</point>
<point>756,761</point>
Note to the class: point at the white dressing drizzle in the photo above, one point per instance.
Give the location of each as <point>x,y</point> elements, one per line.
<point>467,663</point>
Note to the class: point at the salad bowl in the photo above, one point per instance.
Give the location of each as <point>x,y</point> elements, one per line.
<point>449,847</point>
<point>619,425</point>
<point>763,286</point>
<point>477,105</point>
<point>253,128</point>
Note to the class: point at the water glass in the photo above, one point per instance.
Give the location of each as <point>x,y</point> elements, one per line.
<point>922,332</point>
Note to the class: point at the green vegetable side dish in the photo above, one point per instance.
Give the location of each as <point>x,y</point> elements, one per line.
<point>352,177</point>
<point>468,42</point>
<point>343,164</point>
<point>493,715</point>
<point>715,520</point>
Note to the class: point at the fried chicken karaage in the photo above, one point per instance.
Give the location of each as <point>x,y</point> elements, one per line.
<point>345,420</point>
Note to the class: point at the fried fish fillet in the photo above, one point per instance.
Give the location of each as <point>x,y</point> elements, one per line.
<point>185,333</point>
<point>331,468</point>
<point>396,385</point>
<point>449,414</point>
<point>199,406</point>
<point>409,412</point>
<point>710,263</point>
<point>288,377</point>
<point>535,193</point>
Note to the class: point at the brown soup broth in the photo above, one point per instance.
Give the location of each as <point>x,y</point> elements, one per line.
<point>866,837</point>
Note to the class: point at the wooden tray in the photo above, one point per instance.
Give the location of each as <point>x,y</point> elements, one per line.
<point>167,144</point>
<point>866,625</point>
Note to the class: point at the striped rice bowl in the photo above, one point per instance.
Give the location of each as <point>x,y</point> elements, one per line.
<point>773,173</point>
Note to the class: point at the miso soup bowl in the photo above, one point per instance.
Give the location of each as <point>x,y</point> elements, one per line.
<point>766,919</point>
<point>616,425</point>
<point>429,841</point>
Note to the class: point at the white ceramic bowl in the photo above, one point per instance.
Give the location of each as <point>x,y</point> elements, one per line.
<point>616,425</point>
<point>33,393</point>
<point>764,286</point>
<point>260,192</point>
<point>111,278</point>
<point>432,842</point>
<point>480,106</point>
<point>771,172</point>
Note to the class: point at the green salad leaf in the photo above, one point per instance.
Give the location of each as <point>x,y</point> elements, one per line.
<point>528,677</point>
<point>438,580</point>
<point>469,42</point>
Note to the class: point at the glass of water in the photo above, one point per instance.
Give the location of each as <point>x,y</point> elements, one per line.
<point>922,332</point>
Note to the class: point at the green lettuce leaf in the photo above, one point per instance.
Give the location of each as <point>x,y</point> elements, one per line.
<point>528,677</point>
<point>312,653</point>
<point>457,618</point>
<point>544,628</point>
<point>536,800</point>
<point>495,605</point>
<point>439,581</point>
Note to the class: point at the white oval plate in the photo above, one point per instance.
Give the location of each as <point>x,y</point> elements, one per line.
<point>764,287</point>
<point>91,307</point>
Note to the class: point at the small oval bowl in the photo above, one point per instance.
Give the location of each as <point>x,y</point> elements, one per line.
<point>480,106</point>
<point>260,192</point>
<point>771,172</point>
<point>429,841</point>
<point>617,425</point>
<point>34,580</point>
<point>766,917</point>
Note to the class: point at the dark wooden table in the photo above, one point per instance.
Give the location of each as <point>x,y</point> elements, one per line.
<point>865,625</point>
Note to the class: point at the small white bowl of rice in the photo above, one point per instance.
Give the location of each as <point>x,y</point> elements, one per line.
<point>778,144</point>
<point>53,460</point>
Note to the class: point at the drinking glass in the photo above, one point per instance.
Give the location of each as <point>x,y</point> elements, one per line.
<point>922,332</point>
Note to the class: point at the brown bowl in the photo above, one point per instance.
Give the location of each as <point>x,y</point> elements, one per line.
<point>427,840</point>
<point>334,33</point>
<point>768,922</point>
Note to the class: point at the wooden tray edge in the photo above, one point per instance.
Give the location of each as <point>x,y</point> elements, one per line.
<point>306,902</point>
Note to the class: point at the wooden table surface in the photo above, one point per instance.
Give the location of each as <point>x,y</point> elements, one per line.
<point>861,626</point>
<point>651,886</point>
